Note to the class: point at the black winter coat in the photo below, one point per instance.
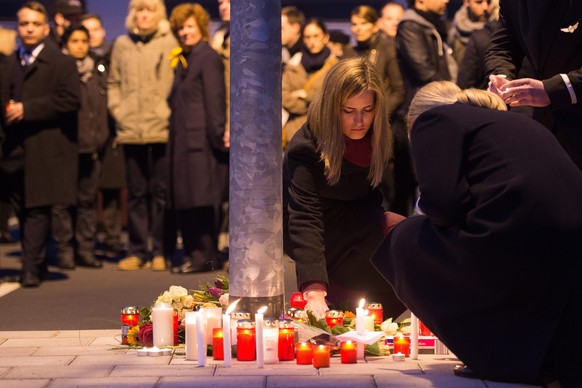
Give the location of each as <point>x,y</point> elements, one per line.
<point>198,159</point>
<point>93,117</point>
<point>45,141</point>
<point>492,268</point>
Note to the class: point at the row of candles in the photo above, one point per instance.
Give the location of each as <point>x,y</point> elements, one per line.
<point>264,340</point>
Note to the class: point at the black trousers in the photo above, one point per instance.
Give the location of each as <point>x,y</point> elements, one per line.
<point>74,227</point>
<point>147,184</point>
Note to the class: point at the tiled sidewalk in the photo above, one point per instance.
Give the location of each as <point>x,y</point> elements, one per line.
<point>93,358</point>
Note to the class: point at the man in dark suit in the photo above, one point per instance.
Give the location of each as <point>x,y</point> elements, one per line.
<point>40,90</point>
<point>538,42</point>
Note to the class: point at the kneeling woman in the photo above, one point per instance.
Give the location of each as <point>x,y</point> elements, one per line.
<point>491,267</point>
<point>334,218</point>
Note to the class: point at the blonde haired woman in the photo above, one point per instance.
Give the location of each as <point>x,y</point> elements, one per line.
<point>139,83</point>
<point>332,168</point>
<point>494,260</point>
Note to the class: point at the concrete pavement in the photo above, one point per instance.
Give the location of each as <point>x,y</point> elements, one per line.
<point>75,358</point>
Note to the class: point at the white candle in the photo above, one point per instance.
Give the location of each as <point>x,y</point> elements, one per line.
<point>212,318</point>
<point>413,337</point>
<point>200,339</point>
<point>259,336</point>
<point>227,333</point>
<point>163,324</point>
<point>191,343</point>
<point>360,328</point>
<point>271,341</point>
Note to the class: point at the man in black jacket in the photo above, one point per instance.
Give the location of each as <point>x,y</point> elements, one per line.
<point>422,52</point>
<point>39,89</point>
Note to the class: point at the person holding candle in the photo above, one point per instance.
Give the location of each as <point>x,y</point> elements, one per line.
<point>333,215</point>
<point>492,265</point>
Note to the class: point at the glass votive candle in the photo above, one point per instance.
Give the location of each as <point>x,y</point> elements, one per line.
<point>402,345</point>
<point>246,340</point>
<point>295,313</point>
<point>217,343</point>
<point>321,356</point>
<point>304,353</point>
<point>286,340</point>
<point>296,300</point>
<point>334,318</point>
<point>271,340</point>
<point>129,318</point>
<point>376,311</point>
<point>349,352</point>
<point>236,316</point>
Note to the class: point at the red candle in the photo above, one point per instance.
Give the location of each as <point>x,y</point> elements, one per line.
<point>129,318</point>
<point>296,300</point>
<point>423,330</point>
<point>217,344</point>
<point>334,318</point>
<point>402,345</point>
<point>304,353</point>
<point>176,340</point>
<point>348,352</point>
<point>246,341</point>
<point>286,340</point>
<point>376,311</point>
<point>321,357</point>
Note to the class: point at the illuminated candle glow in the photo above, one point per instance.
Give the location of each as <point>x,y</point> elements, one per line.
<point>286,340</point>
<point>217,344</point>
<point>402,345</point>
<point>304,353</point>
<point>271,341</point>
<point>348,353</point>
<point>321,357</point>
<point>376,311</point>
<point>245,348</point>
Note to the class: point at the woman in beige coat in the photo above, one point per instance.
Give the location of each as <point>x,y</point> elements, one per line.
<point>139,83</point>
<point>303,75</point>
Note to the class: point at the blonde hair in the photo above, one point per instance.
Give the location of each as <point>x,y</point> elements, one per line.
<point>185,11</point>
<point>441,93</point>
<point>158,7</point>
<point>347,79</point>
<point>7,41</point>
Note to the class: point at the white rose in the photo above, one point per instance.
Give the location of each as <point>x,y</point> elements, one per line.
<point>188,301</point>
<point>166,297</point>
<point>389,327</point>
<point>178,292</point>
<point>223,300</point>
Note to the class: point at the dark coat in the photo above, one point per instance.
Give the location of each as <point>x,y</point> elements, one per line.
<point>93,116</point>
<point>423,55</point>
<point>493,265</point>
<point>332,231</point>
<point>47,137</point>
<point>532,30</point>
<point>196,147</point>
<point>472,67</point>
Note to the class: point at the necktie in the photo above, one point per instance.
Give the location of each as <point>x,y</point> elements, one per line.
<point>26,57</point>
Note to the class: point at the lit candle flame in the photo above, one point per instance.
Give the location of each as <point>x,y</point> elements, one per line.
<point>262,310</point>
<point>230,308</point>
<point>362,302</point>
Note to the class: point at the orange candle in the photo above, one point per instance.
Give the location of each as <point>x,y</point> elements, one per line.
<point>402,345</point>
<point>217,344</point>
<point>304,353</point>
<point>376,311</point>
<point>334,318</point>
<point>246,343</point>
<point>348,353</point>
<point>321,357</point>
<point>286,340</point>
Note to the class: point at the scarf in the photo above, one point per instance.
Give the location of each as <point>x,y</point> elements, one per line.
<point>464,26</point>
<point>359,152</point>
<point>436,21</point>
<point>313,62</point>
<point>85,68</point>
<point>177,56</point>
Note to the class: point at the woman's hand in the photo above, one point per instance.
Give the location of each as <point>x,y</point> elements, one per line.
<point>316,303</point>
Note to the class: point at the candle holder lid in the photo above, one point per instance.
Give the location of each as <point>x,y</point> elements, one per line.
<point>295,313</point>
<point>130,310</point>
<point>286,324</point>
<point>270,322</point>
<point>245,324</point>
<point>374,306</point>
<point>239,314</point>
<point>334,314</point>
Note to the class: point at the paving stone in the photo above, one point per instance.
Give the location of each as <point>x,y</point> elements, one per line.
<point>75,351</point>
<point>405,380</point>
<point>320,382</point>
<point>37,361</point>
<point>45,342</point>
<point>29,334</point>
<point>52,372</point>
<point>220,382</point>
<point>12,352</point>
<point>370,368</point>
<point>496,384</point>
<point>137,382</point>
<point>88,333</point>
<point>281,369</point>
<point>38,383</point>
<point>120,360</point>
<point>2,340</point>
<point>3,371</point>
<point>161,371</point>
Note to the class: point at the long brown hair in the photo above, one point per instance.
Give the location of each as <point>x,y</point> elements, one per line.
<point>347,79</point>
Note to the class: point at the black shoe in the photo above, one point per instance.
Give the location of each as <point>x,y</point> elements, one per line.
<point>66,263</point>
<point>29,280</point>
<point>189,267</point>
<point>465,371</point>
<point>89,261</point>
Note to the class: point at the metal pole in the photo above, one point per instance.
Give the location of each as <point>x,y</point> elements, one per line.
<point>256,237</point>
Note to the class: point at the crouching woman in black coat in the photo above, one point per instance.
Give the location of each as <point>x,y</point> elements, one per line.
<point>333,215</point>
<point>492,265</point>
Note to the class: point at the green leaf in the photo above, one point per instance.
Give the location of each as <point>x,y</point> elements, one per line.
<point>373,350</point>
